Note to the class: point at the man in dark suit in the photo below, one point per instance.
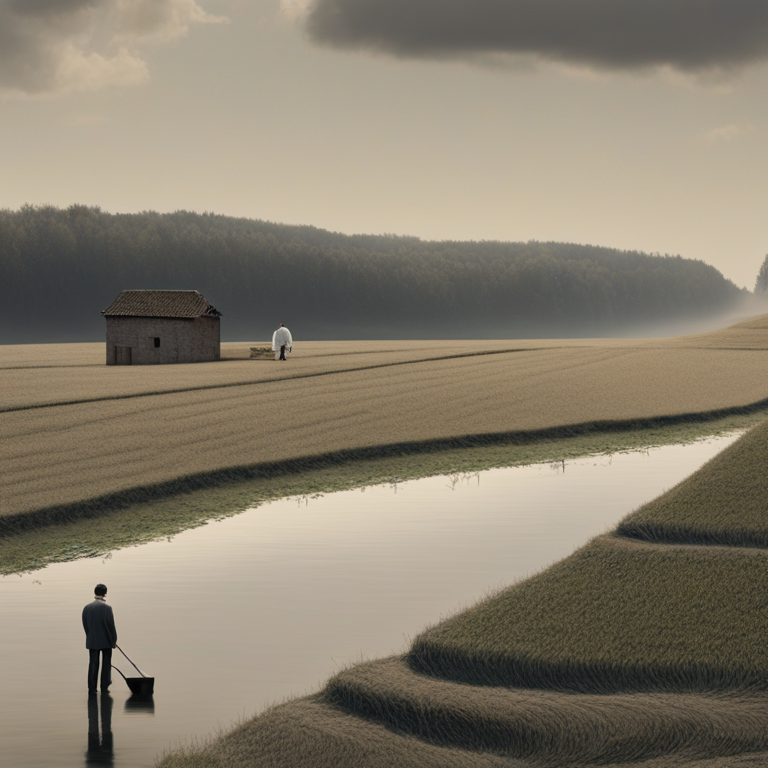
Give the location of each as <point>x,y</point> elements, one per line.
<point>100,638</point>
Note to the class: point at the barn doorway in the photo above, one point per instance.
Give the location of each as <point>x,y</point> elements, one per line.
<point>122,355</point>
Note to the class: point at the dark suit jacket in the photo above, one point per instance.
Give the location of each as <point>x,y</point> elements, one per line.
<point>99,625</point>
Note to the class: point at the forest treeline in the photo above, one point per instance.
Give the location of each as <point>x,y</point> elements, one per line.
<point>60,267</point>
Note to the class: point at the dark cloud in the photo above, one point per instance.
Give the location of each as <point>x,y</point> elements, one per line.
<point>685,34</point>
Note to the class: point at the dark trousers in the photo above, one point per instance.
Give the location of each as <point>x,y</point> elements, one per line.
<point>282,352</point>
<point>106,668</point>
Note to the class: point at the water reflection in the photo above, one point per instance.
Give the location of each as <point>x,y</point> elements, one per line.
<point>140,704</point>
<point>101,747</point>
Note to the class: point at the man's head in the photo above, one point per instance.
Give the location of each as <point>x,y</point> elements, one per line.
<point>282,325</point>
<point>100,590</point>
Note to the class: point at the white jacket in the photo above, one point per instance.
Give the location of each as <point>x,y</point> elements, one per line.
<point>281,336</point>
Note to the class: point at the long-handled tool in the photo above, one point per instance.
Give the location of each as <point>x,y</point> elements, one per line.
<point>141,686</point>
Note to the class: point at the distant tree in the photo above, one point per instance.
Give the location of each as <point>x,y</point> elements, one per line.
<point>761,284</point>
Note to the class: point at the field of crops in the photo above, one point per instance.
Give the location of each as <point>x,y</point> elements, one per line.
<point>644,648</point>
<point>131,433</point>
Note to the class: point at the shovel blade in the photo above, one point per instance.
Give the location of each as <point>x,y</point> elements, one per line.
<point>141,686</point>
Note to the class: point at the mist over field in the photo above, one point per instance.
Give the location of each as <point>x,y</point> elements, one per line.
<point>61,267</point>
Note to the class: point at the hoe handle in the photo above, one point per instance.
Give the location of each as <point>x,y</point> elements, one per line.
<point>132,664</point>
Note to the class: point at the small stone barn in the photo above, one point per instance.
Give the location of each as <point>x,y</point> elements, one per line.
<point>151,327</point>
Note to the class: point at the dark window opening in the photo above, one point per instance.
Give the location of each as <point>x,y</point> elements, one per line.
<point>157,341</point>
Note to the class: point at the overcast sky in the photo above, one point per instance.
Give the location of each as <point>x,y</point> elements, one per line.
<point>638,124</point>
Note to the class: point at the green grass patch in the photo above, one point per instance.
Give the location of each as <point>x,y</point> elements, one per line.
<point>107,527</point>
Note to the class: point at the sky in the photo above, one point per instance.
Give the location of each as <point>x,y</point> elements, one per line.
<point>635,124</point>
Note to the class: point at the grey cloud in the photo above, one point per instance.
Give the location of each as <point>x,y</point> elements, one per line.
<point>56,46</point>
<point>684,34</point>
<point>48,7</point>
<point>27,55</point>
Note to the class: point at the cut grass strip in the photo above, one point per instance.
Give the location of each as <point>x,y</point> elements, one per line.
<point>552,728</point>
<point>725,502</point>
<point>617,615</point>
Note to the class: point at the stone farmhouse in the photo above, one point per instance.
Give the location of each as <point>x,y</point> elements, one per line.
<point>152,327</point>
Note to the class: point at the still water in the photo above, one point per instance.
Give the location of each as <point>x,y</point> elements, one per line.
<point>247,611</point>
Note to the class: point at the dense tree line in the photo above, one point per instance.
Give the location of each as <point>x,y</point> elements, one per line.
<point>59,268</point>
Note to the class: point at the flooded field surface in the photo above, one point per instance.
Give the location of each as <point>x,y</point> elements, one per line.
<point>247,611</point>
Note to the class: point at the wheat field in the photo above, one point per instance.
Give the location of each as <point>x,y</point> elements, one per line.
<point>132,433</point>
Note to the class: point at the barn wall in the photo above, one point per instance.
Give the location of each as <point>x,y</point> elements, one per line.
<point>181,341</point>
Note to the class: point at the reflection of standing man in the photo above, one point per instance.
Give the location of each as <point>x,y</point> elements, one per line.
<point>100,638</point>
<point>281,340</point>
<point>101,749</point>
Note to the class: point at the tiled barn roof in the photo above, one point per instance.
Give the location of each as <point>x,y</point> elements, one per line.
<point>160,304</point>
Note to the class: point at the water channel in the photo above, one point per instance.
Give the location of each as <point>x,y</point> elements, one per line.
<point>249,610</point>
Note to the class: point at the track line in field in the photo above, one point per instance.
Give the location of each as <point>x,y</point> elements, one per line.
<point>295,377</point>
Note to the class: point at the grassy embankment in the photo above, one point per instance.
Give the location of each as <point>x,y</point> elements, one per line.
<point>147,451</point>
<point>645,647</point>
